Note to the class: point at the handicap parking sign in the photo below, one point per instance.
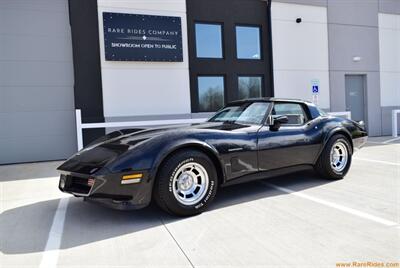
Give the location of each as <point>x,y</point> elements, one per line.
<point>315,86</point>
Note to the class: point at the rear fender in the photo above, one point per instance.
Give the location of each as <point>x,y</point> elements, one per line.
<point>331,133</point>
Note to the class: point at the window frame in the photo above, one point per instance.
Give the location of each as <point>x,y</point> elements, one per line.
<point>253,13</point>
<point>222,39</point>
<point>259,26</point>
<point>198,95</point>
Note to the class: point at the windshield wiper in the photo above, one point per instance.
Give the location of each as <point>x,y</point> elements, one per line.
<point>223,121</point>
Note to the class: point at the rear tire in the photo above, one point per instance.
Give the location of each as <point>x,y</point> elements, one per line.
<point>186,183</point>
<point>335,160</point>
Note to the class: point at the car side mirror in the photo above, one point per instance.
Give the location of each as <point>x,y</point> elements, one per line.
<point>277,121</point>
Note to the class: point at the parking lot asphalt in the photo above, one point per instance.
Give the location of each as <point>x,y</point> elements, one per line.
<point>298,220</point>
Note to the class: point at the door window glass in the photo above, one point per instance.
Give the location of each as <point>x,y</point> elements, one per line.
<point>293,111</point>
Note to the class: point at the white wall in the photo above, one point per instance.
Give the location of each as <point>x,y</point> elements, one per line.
<point>37,118</point>
<point>300,51</point>
<point>389,53</point>
<point>145,88</point>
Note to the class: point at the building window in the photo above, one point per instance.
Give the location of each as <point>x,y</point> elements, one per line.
<point>208,40</point>
<point>249,87</point>
<point>211,93</point>
<point>248,42</point>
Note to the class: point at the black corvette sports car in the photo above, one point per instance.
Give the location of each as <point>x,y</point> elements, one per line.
<point>181,167</point>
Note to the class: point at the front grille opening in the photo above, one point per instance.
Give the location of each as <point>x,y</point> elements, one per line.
<point>77,185</point>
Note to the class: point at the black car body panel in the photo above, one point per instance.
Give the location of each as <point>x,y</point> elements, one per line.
<point>240,152</point>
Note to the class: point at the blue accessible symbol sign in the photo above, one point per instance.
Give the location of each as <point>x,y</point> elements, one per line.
<point>315,86</point>
<point>315,90</point>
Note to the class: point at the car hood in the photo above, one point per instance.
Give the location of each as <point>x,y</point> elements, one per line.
<point>136,137</point>
<point>98,154</point>
<point>94,157</point>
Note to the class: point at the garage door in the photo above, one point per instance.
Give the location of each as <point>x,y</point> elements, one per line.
<point>36,81</point>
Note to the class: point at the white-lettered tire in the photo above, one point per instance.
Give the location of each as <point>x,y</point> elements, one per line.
<point>186,183</point>
<point>335,160</point>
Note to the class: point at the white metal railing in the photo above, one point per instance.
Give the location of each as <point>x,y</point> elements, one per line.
<point>395,115</point>
<point>81,126</point>
<point>347,114</point>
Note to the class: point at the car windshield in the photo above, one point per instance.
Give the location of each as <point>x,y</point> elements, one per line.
<point>246,113</point>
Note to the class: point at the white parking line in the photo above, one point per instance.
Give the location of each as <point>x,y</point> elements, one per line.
<point>52,249</point>
<point>384,142</point>
<point>375,142</point>
<point>377,161</point>
<point>394,139</point>
<point>336,206</point>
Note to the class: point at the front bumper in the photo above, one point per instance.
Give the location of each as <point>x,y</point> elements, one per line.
<point>108,189</point>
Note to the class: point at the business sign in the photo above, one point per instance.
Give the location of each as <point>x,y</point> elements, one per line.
<point>133,37</point>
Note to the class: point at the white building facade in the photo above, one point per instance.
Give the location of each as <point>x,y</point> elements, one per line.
<point>230,49</point>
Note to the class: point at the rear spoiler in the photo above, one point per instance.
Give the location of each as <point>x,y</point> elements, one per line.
<point>361,124</point>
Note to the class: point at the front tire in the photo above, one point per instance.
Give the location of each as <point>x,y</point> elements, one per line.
<point>335,160</point>
<point>186,183</point>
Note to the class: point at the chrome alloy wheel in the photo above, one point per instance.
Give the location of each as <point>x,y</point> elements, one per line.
<point>190,183</point>
<point>339,156</point>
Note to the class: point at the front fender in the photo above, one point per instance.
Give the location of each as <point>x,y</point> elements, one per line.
<point>177,145</point>
<point>150,154</point>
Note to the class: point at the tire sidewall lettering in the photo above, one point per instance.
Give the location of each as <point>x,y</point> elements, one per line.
<point>210,189</point>
<point>171,178</point>
<point>207,197</point>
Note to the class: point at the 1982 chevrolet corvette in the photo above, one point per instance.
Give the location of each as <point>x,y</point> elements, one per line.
<point>182,167</point>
